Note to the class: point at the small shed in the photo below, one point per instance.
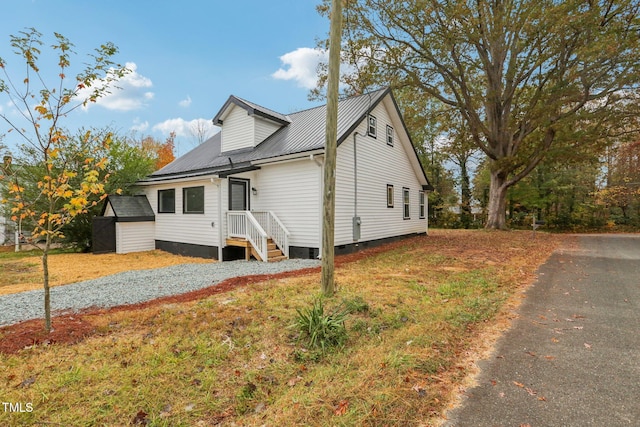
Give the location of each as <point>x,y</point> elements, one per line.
<point>126,224</point>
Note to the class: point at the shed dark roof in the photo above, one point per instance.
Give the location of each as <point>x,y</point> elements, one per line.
<point>129,208</point>
<point>303,132</point>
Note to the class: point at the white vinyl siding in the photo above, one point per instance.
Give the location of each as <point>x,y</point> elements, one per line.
<point>201,229</point>
<point>237,130</point>
<point>292,190</point>
<point>240,130</point>
<point>135,237</point>
<point>377,167</point>
<point>263,129</point>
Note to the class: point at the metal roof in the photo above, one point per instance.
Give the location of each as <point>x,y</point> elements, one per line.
<point>301,132</point>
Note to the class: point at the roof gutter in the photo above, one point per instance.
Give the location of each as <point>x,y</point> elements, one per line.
<point>289,157</point>
<point>185,178</point>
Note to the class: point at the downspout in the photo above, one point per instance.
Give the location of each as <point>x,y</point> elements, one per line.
<point>320,202</point>
<point>218,183</point>
<point>356,219</point>
<point>355,177</point>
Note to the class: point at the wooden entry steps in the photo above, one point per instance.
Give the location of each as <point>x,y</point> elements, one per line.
<point>273,253</point>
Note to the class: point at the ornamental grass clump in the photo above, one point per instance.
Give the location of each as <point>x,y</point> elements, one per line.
<point>322,330</point>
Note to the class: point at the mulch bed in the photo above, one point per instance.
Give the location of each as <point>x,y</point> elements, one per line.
<point>73,328</point>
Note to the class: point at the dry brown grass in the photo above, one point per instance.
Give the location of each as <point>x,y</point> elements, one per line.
<point>25,273</point>
<point>433,307</point>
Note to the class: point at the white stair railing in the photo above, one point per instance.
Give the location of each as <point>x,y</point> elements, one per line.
<point>274,228</point>
<point>243,224</point>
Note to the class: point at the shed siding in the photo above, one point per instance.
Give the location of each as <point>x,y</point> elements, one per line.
<point>109,211</point>
<point>134,237</point>
<point>237,130</point>
<point>292,191</point>
<point>378,164</point>
<point>187,228</point>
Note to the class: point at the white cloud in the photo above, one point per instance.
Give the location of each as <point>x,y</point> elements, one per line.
<point>301,66</point>
<point>127,93</point>
<point>185,102</point>
<point>139,126</point>
<point>184,127</point>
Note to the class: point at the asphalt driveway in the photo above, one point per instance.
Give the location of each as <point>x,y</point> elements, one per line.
<point>572,358</point>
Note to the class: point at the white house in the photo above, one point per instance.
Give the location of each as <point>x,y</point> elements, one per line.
<point>255,188</point>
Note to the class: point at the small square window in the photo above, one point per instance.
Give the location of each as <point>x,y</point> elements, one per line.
<point>389,135</point>
<point>389,195</point>
<point>167,201</point>
<point>193,200</point>
<point>405,203</point>
<point>372,129</point>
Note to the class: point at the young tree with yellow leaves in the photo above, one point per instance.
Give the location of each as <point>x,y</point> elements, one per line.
<point>43,197</point>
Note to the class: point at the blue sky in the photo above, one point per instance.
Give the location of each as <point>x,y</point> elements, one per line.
<point>187,56</point>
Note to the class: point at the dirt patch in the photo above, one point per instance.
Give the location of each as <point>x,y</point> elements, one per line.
<point>73,328</point>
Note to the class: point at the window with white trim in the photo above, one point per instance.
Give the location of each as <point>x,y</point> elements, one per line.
<point>389,195</point>
<point>167,201</point>
<point>372,127</point>
<point>405,203</point>
<point>389,136</point>
<point>193,200</point>
<point>422,199</point>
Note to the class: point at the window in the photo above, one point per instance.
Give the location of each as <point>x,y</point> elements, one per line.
<point>193,200</point>
<point>389,135</point>
<point>389,195</point>
<point>405,203</point>
<point>167,201</point>
<point>421,198</point>
<point>372,130</point>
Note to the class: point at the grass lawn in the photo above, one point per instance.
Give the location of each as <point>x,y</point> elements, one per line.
<point>419,315</point>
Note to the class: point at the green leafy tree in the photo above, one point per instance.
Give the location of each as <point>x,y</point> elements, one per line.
<point>127,162</point>
<point>622,190</point>
<point>520,73</point>
<point>62,192</point>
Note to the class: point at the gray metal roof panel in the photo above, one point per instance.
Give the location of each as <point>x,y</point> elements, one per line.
<point>305,132</point>
<point>307,129</point>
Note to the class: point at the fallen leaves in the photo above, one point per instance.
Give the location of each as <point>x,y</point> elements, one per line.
<point>293,381</point>
<point>341,408</point>
<point>529,391</point>
<point>140,419</point>
<point>420,388</point>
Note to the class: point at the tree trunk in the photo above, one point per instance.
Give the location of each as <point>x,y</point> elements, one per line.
<point>465,195</point>
<point>47,296</point>
<point>497,201</point>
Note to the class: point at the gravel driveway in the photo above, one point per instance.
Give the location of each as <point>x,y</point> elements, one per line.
<point>132,287</point>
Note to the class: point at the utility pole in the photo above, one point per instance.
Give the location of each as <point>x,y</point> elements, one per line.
<point>331,146</point>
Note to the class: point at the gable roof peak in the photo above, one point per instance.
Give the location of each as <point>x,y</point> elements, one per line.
<point>252,109</point>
